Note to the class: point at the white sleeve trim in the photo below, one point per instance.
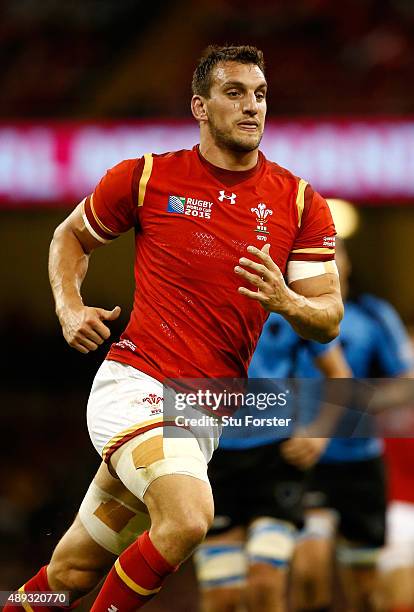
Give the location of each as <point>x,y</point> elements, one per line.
<point>298,270</point>
<point>89,226</point>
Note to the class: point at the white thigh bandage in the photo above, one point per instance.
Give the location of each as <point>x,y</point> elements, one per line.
<point>153,454</point>
<point>297,270</point>
<point>270,541</point>
<point>220,565</point>
<point>112,523</point>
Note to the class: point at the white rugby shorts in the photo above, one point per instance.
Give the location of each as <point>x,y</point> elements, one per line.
<point>125,403</point>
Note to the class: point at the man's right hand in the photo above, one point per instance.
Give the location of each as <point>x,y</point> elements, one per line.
<point>303,453</point>
<point>83,327</point>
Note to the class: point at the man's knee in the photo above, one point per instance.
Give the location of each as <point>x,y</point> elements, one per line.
<point>181,506</point>
<point>195,527</point>
<point>190,527</point>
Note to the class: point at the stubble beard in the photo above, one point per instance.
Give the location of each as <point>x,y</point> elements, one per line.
<point>240,144</point>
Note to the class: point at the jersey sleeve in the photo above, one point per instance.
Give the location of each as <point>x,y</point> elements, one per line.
<point>315,239</point>
<point>112,208</point>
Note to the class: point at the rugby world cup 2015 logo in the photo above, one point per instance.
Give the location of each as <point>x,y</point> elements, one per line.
<point>262,213</point>
<point>176,204</point>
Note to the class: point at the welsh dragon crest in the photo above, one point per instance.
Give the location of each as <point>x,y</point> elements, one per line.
<point>262,213</point>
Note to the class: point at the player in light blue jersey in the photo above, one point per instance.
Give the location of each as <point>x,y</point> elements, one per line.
<point>258,483</point>
<point>349,479</point>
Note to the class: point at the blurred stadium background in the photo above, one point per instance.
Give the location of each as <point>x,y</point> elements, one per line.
<point>86,83</point>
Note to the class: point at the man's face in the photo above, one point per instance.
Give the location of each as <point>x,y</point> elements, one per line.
<point>236,108</point>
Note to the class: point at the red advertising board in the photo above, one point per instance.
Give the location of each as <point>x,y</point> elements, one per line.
<point>51,164</point>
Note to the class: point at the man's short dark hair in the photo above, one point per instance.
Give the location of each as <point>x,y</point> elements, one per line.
<point>244,54</point>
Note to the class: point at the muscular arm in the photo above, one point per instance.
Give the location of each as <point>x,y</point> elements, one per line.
<point>313,306</point>
<point>82,326</point>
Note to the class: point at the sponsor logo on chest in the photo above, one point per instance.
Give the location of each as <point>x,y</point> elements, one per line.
<point>231,197</point>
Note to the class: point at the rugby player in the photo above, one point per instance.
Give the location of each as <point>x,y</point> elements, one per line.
<point>218,229</point>
<point>246,556</point>
<point>348,489</point>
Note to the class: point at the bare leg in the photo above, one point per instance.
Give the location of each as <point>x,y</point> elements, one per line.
<point>361,587</point>
<point>266,589</point>
<point>226,598</point>
<point>312,574</point>
<point>181,510</point>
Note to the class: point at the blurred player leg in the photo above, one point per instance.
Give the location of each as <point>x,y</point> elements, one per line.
<point>359,576</point>
<point>361,505</point>
<point>270,544</point>
<point>356,491</point>
<point>246,572</point>
<point>221,567</point>
<point>313,563</point>
<point>245,559</point>
<point>396,564</point>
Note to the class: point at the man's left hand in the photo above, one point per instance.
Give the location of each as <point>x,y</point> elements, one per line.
<point>272,291</point>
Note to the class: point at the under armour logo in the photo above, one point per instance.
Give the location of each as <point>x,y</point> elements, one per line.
<point>113,608</point>
<point>231,197</point>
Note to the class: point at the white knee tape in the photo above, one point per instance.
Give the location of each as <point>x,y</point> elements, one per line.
<point>113,524</point>
<point>220,566</point>
<point>320,525</point>
<point>152,454</point>
<point>357,556</point>
<point>271,541</point>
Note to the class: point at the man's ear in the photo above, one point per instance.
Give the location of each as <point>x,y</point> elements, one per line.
<point>198,108</point>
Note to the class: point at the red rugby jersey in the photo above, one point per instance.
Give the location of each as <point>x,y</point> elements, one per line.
<point>193,222</point>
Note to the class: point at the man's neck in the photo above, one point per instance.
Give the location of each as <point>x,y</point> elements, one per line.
<point>229,160</point>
